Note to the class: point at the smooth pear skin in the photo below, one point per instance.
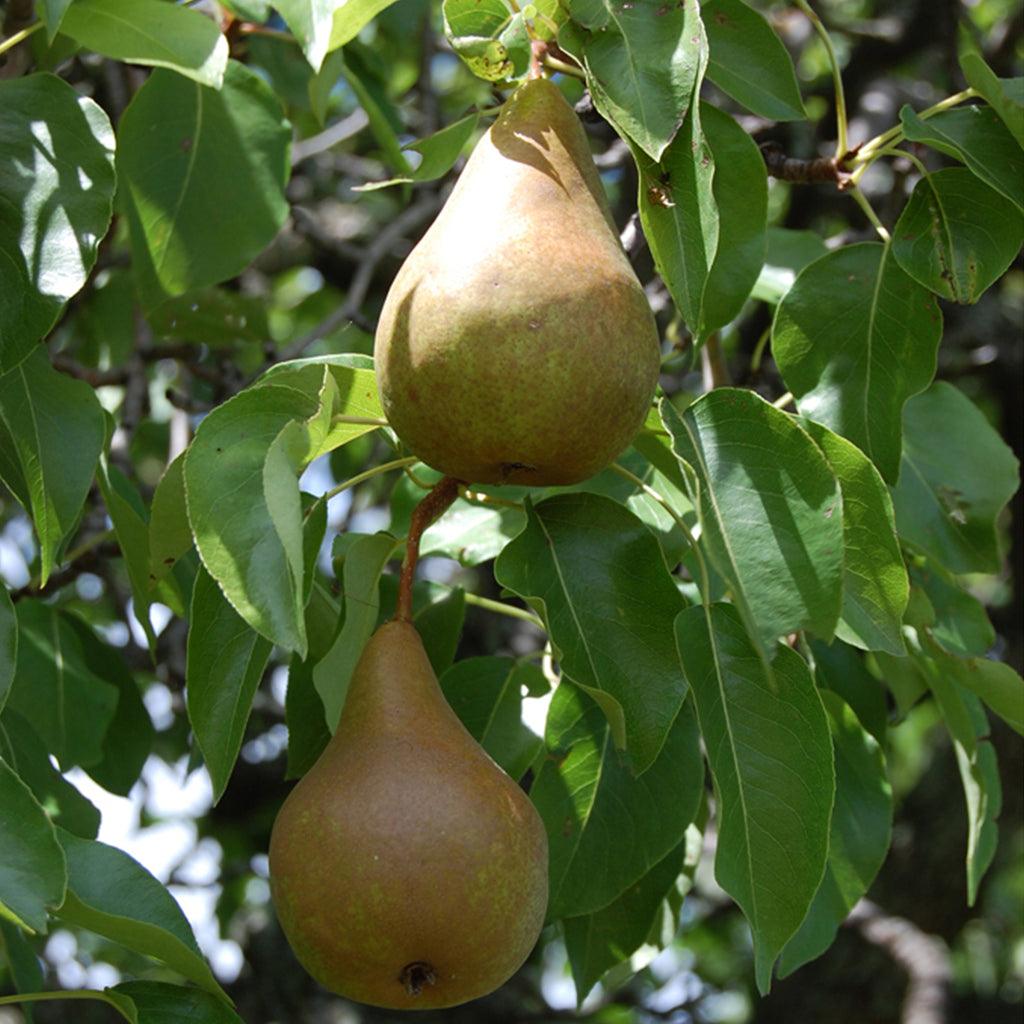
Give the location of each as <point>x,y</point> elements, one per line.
<point>516,344</point>
<point>406,854</point>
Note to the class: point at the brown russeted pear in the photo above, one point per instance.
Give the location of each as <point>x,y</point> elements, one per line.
<point>516,344</point>
<point>407,869</point>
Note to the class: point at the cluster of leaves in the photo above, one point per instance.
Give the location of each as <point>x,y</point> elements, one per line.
<point>743,588</point>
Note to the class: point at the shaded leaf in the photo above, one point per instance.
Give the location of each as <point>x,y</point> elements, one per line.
<point>749,62</point>
<point>1006,95</point>
<point>170,535</point>
<point>956,476</point>
<point>225,662</point>
<point>768,745</point>
<point>159,1003</point>
<point>32,870</point>
<point>958,621</point>
<point>190,156</point>
<point>595,574</point>
<point>8,644</point>
<point>788,253</point>
<point>606,826</point>
<point>52,430</point>
<point>840,668</point>
<point>854,338</point>
<point>770,511</point>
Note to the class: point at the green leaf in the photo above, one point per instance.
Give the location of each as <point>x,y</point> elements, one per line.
<point>63,804</point>
<point>487,695</point>
<point>128,740</point>
<point>768,745</point>
<point>749,62</point>
<point>770,511</point>
<point>440,625</point>
<point>977,137</point>
<point>740,189</point>
<point>957,236</point>
<point>606,826</point>
<point>959,623</point>
<point>52,430</point>
<point>147,32</point>
<point>364,562</point>
<point>56,190</point>
<point>596,942</point>
<point>160,1003</point>
<point>170,535</point>
<point>311,22</point>
<point>243,501</point>
<point>875,584</point>
<point>219,157</point>
<point>439,152</point>
<point>225,663</point>
<point>996,683</point>
<point>1006,95</point>
<point>213,316</point>
<point>67,704</point>
<point>26,973</point>
<point>52,13</point>
<point>352,17</point>
<point>113,895</point>
<point>595,574</point>
<point>488,36</point>
<point>858,837</point>
<point>976,758</point>
<point>788,253</point>
<point>854,338</point>
<point>643,61</point>
<point>32,872</point>
<point>956,476</point>
<point>840,668</point>
<point>8,644</point>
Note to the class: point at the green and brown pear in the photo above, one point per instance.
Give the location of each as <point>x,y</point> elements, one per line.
<point>407,869</point>
<point>516,344</point>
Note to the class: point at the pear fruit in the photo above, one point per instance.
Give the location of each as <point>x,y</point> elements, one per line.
<point>407,869</point>
<point>516,344</point>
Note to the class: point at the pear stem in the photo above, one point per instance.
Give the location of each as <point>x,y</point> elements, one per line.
<point>445,491</point>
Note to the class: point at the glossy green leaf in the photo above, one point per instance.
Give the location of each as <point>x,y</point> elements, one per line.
<point>311,22</point>
<point>596,942</point>
<point>439,152</point>
<point>858,837</point>
<point>68,705</point>
<point>61,801</point>
<point>643,62</point>
<point>56,190</point>
<point>840,668</point>
<point>875,584</point>
<point>977,136</point>
<point>770,511</point>
<point>487,695</point>
<point>854,338</point>
<point>996,683</point>
<point>244,506</point>
<point>52,431</point>
<point>606,826</point>
<point>959,623</point>
<point>595,574</point>
<point>147,32</point>
<point>113,895</point>
<point>364,562</point>
<point>956,235</point>
<point>8,644</point>
<point>170,535</point>
<point>749,61</point>
<point>128,739</point>
<point>956,476</point>
<point>32,871</point>
<point>1006,95</point>
<point>225,662</point>
<point>218,158</point>
<point>788,253</point>
<point>351,17</point>
<point>156,1002</point>
<point>770,752</point>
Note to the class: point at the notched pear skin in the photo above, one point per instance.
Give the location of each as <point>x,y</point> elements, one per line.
<point>407,869</point>
<point>516,344</point>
